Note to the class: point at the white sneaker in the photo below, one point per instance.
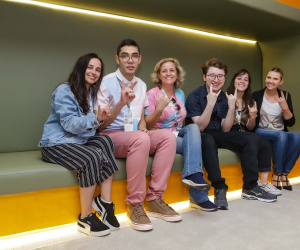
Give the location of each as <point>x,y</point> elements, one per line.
<point>271,189</point>
<point>259,183</point>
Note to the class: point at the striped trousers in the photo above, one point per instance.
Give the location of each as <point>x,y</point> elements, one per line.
<point>93,161</point>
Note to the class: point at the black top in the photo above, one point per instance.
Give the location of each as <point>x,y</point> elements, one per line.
<point>196,103</point>
<point>258,97</point>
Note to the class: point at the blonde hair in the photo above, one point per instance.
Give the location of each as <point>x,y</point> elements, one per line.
<point>180,73</point>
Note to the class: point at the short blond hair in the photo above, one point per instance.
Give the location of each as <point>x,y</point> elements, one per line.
<point>180,73</point>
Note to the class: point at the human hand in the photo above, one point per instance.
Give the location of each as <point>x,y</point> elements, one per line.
<point>282,102</point>
<point>231,99</point>
<point>144,130</point>
<point>212,97</point>
<point>161,102</point>
<point>104,113</point>
<point>127,94</point>
<point>253,111</point>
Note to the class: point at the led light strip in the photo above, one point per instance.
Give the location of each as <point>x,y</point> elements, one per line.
<point>96,13</point>
<point>57,234</point>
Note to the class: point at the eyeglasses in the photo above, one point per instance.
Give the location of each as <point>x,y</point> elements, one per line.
<point>173,100</point>
<point>125,57</point>
<point>213,77</point>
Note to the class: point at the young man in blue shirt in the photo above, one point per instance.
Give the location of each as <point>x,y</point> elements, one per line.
<point>213,111</point>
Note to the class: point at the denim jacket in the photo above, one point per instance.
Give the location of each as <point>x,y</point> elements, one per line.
<point>67,123</point>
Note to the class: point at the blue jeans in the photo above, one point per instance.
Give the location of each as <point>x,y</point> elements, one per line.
<point>189,145</point>
<point>286,148</point>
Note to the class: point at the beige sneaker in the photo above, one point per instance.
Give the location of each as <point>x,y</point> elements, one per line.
<point>137,218</point>
<point>158,208</point>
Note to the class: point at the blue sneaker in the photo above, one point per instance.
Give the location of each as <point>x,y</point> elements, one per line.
<point>207,206</point>
<point>197,181</point>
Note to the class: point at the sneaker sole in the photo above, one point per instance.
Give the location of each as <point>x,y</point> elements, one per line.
<point>91,233</point>
<point>275,193</point>
<point>140,227</point>
<point>168,218</point>
<point>95,207</point>
<point>202,208</point>
<point>203,187</point>
<point>252,197</point>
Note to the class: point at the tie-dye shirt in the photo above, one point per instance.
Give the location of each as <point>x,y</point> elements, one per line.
<point>167,118</point>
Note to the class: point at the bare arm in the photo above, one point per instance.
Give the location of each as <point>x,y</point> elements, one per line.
<point>142,124</point>
<point>252,119</point>
<point>229,119</point>
<point>287,114</point>
<point>114,112</point>
<point>203,120</point>
<point>160,103</point>
<point>127,95</point>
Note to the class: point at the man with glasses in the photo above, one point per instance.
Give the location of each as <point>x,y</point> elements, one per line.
<point>127,128</point>
<point>213,111</point>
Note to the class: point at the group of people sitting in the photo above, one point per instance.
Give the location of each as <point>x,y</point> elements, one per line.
<point>95,119</point>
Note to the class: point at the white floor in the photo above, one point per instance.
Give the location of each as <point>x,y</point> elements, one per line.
<point>246,225</point>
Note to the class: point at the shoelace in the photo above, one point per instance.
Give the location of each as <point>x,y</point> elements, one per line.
<point>221,195</point>
<point>162,204</point>
<point>139,211</point>
<point>92,217</point>
<point>109,211</point>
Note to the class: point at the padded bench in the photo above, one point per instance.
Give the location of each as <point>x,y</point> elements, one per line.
<point>26,171</point>
<point>37,195</point>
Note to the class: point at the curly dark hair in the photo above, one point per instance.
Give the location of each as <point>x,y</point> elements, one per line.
<point>77,80</point>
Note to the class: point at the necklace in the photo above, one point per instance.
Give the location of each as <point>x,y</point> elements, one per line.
<point>171,104</point>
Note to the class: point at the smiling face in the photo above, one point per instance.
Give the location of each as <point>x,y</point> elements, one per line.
<point>93,72</point>
<point>241,82</point>
<point>128,60</point>
<point>215,77</point>
<point>273,80</point>
<point>167,74</point>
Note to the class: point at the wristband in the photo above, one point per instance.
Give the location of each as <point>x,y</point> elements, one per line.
<point>285,110</point>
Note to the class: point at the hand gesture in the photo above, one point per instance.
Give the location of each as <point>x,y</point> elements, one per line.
<point>104,113</point>
<point>253,111</point>
<point>282,102</point>
<point>161,102</point>
<point>127,94</point>
<point>212,97</point>
<point>231,99</point>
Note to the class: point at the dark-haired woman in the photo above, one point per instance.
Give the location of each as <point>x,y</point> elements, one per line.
<point>275,114</point>
<point>69,140</point>
<point>245,116</point>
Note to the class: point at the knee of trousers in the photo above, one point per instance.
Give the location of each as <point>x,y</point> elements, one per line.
<point>249,140</point>
<point>168,139</point>
<point>295,137</point>
<point>208,142</point>
<point>141,141</point>
<point>109,140</point>
<point>193,130</point>
<point>282,138</point>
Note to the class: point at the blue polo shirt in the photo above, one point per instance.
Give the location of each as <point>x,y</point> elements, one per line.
<point>196,103</point>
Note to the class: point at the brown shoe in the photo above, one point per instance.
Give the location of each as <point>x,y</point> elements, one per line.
<point>158,208</point>
<point>137,218</point>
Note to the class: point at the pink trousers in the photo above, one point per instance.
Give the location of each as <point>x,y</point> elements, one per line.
<point>136,147</point>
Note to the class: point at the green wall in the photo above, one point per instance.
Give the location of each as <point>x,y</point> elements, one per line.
<point>285,54</point>
<point>39,47</point>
